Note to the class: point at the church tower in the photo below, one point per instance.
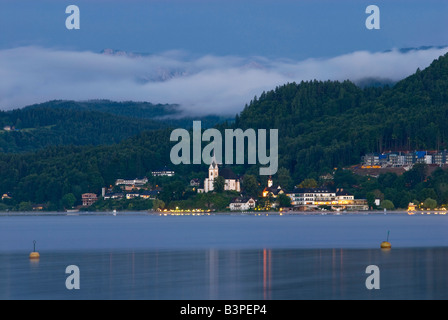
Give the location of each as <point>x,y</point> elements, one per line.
<point>231,180</point>
<point>213,173</point>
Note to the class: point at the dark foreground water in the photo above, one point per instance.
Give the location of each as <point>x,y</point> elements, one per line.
<point>224,257</point>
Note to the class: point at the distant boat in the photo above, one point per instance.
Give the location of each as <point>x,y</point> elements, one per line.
<point>72,211</point>
<point>115,212</point>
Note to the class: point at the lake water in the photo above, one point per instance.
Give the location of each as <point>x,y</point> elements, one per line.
<point>228,257</point>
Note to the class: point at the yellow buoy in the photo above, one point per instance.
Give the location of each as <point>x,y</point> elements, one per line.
<point>34,254</point>
<point>386,245</point>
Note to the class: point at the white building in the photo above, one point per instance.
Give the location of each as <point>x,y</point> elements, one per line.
<point>312,198</point>
<point>344,198</point>
<point>231,181</point>
<point>242,204</point>
<point>131,182</point>
<point>163,172</point>
<point>113,195</point>
<point>213,173</point>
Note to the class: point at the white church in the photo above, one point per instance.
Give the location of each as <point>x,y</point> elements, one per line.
<point>232,182</point>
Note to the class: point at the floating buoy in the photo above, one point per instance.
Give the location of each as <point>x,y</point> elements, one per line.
<point>34,254</point>
<point>386,244</point>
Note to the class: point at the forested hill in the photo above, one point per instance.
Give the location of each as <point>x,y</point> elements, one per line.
<point>131,109</point>
<point>40,127</point>
<point>323,125</point>
<point>99,122</point>
<point>171,115</point>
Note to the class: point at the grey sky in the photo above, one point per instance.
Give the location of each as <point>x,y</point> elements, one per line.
<point>294,29</point>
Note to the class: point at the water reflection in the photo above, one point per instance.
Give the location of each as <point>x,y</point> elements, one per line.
<point>212,258</point>
<point>214,274</point>
<point>267,263</point>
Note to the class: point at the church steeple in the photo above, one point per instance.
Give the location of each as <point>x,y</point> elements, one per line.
<point>213,170</point>
<point>214,163</point>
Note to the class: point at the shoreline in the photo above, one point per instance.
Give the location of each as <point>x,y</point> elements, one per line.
<point>229,213</point>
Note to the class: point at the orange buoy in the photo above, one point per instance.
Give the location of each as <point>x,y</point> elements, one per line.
<point>386,245</point>
<point>34,255</point>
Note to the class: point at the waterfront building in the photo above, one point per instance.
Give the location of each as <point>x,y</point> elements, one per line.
<point>313,198</point>
<point>242,204</point>
<point>344,198</point>
<point>303,197</point>
<point>89,199</point>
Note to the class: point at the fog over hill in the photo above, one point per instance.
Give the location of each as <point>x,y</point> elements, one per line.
<point>200,85</point>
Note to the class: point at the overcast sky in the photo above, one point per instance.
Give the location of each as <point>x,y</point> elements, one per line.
<point>207,55</point>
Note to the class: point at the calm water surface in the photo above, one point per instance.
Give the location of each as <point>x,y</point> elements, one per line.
<point>224,257</point>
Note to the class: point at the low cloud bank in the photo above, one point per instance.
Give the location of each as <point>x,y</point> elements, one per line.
<point>200,85</point>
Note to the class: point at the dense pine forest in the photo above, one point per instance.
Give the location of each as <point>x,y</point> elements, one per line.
<point>322,125</point>
<point>100,122</point>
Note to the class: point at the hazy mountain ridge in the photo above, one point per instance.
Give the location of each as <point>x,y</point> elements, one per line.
<point>162,73</point>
